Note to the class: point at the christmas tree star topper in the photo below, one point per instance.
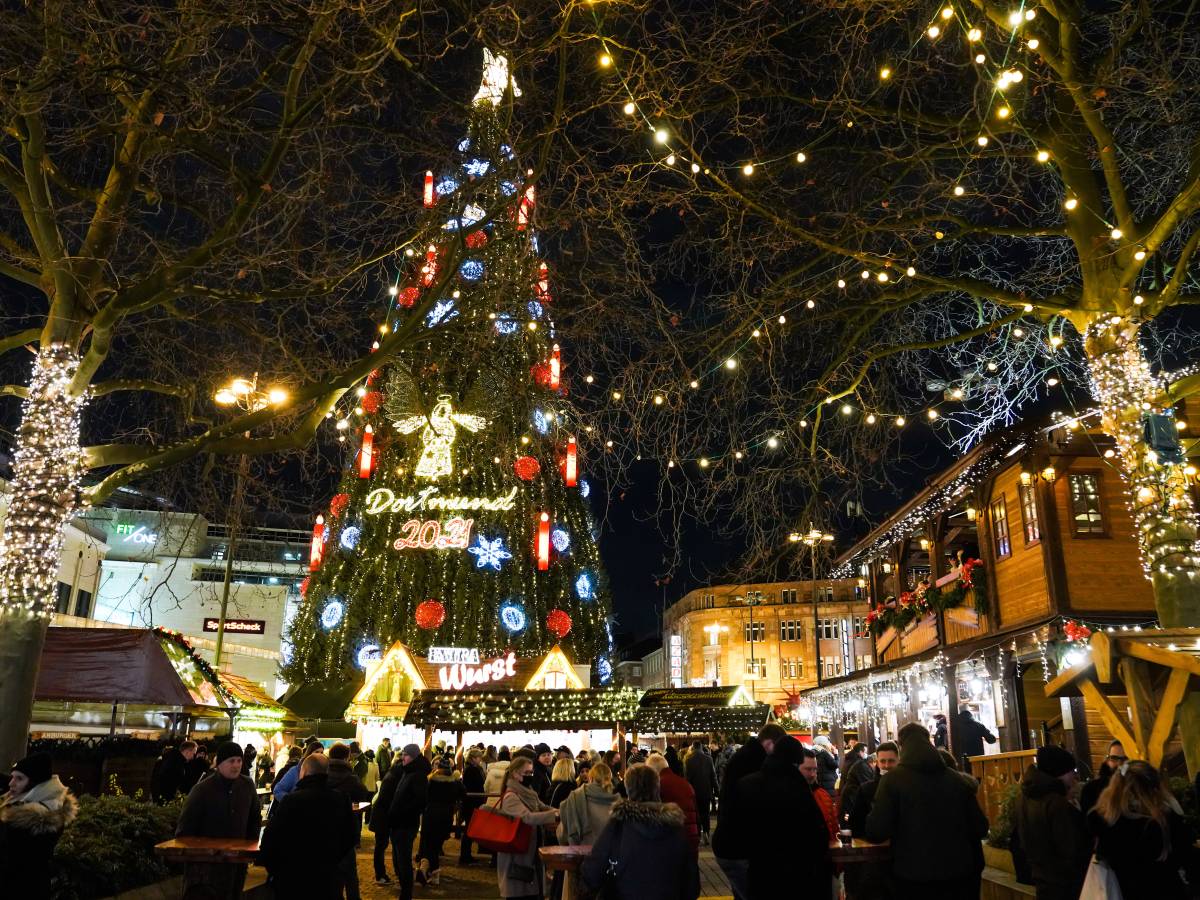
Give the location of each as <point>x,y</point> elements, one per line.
<point>496,79</point>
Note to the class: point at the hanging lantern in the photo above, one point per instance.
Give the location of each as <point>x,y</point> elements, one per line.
<point>318,544</point>
<point>543,283</point>
<point>543,543</point>
<point>525,209</point>
<point>571,463</point>
<point>527,468</point>
<point>366,456</point>
<point>430,614</point>
<point>430,195</point>
<point>555,367</point>
<point>558,623</point>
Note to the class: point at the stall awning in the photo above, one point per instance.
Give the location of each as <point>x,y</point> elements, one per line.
<point>697,710</point>
<point>119,665</point>
<point>500,710</point>
<point>257,711</point>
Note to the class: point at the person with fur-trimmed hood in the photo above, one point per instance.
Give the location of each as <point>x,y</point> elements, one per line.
<point>642,853</point>
<point>33,815</point>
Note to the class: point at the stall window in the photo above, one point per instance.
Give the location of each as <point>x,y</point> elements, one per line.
<point>1085,504</point>
<point>1000,538</point>
<point>1029,514</point>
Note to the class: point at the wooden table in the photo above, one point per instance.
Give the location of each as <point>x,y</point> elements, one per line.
<point>859,851</point>
<point>208,850</point>
<point>564,858</point>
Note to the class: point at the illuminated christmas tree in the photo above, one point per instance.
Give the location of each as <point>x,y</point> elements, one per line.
<point>462,517</point>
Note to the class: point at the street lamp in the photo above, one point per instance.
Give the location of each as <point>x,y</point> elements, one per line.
<point>814,538</point>
<point>247,397</point>
<point>751,600</point>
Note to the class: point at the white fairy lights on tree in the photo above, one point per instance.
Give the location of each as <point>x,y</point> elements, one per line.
<point>46,470</point>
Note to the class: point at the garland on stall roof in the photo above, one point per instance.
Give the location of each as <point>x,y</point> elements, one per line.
<point>202,664</point>
<point>899,612</point>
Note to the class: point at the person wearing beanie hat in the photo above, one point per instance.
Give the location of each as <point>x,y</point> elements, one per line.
<point>33,814</point>
<point>404,812</point>
<point>777,807</point>
<point>1050,841</point>
<point>444,792</point>
<point>224,804</point>
<point>543,783</point>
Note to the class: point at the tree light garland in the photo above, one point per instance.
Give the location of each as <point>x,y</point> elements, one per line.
<point>47,467</point>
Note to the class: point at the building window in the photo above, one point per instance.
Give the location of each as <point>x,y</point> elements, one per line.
<point>828,629</point>
<point>62,600</point>
<point>708,601</point>
<point>756,668</point>
<point>791,669</point>
<point>1085,504</point>
<point>791,630</point>
<point>83,603</point>
<point>554,681</point>
<point>1029,514</point>
<point>788,595</point>
<point>860,627</point>
<point>862,662</point>
<point>833,666</point>
<point>1000,538</point>
<point>759,632</point>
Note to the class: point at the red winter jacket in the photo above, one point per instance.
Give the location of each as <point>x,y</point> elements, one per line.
<point>825,802</point>
<point>674,789</point>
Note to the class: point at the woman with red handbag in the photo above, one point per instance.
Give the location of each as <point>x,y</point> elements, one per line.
<point>520,873</point>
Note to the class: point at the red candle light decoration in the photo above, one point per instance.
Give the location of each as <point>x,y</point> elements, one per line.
<point>543,283</point>
<point>543,543</point>
<point>366,457</point>
<point>430,196</point>
<point>429,270</point>
<point>555,367</point>
<point>525,209</point>
<point>571,463</point>
<point>318,544</point>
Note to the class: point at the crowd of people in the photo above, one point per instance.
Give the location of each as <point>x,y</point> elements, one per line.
<point>782,806</point>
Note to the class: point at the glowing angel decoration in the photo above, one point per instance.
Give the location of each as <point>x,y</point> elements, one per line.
<point>437,439</point>
<point>496,79</point>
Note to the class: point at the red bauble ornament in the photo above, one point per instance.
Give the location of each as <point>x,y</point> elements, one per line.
<point>370,401</point>
<point>559,623</point>
<point>338,505</point>
<point>430,614</point>
<point>476,239</point>
<point>408,296</point>
<point>527,468</point>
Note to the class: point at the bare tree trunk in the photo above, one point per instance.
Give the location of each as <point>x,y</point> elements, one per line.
<point>45,485</point>
<point>1163,511</point>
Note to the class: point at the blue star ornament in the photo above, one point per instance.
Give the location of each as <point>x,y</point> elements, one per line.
<point>489,552</point>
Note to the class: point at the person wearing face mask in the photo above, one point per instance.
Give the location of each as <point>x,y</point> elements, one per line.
<point>520,874</point>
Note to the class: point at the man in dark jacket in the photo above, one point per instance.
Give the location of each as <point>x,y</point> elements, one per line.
<point>383,757</point>
<point>701,774</point>
<point>223,805</point>
<point>378,821</point>
<point>931,816</point>
<point>794,847</point>
<point>1091,791</point>
<point>870,880</point>
<point>856,772</point>
<point>473,783</point>
<point>170,775</point>
<point>971,734</point>
<point>404,813</point>
<point>343,778</point>
<point>308,837</point>
<point>731,846</point>
<point>543,759</point>
<point>1050,830</point>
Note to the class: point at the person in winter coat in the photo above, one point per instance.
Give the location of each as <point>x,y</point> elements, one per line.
<point>585,812</point>
<point>33,814</point>
<point>404,813</point>
<point>856,772</point>
<point>674,789</point>
<point>971,734</point>
<point>343,778</point>
<point>1141,834</point>
<point>170,777</point>
<point>383,756</point>
<point>197,767</point>
<point>287,781</point>
<point>562,781</point>
<point>731,847</point>
<point>1092,790</point>
<point>311,831</point>
<point>473,783</point>
<point>870,880</point>
<point>642,853</point>
<point>924,807</point>
<point>702,776</point>
<point>827,764</point>
<point>543,759</point>
<point>294,757</point>
<point>223,805</point>
<point>1050,830</point>
<point>520,874</point>
<point>808,768</point>
<point>493,781</point>
<point>674,763</point>
<point>445,792</point>
<point>377,821</point>
<point>779,794</point>
<point>371,779</point>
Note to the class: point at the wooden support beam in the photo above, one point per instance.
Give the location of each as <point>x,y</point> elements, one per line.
<point>1139,691</point>
<point>1102,656</point>
<point>428,739</point>
<point>1161,656</point>
<point>1167,716</point>
<point>1064,683</point>
<point>1112,718</point>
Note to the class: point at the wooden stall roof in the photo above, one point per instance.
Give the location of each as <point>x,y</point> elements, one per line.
<point>1154,670</point>
<point>250,695</point>
<point>499,710</point>
<point>700,709</point>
